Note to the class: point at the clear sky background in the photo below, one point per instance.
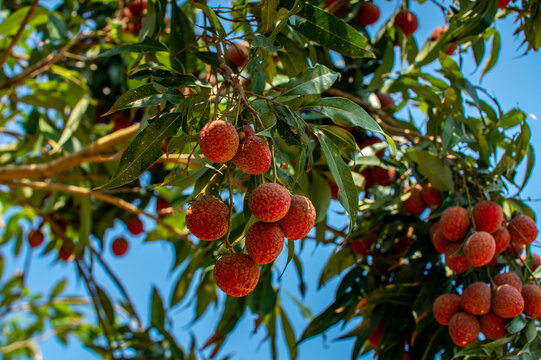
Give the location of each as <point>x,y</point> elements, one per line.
<point>515,81</point>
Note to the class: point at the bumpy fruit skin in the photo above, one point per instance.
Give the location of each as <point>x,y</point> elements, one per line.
<point>479,248</point>
<point>383,177</point>
<point>368,14</point>
<point>362,246</point>
<point>507,301</point>
<point>219,141</point>
<point>493,326</point>
<point>476,298</point>
<point>445,306</point>
<point>208,219</point>
<point>264,242</point>
<point>503,3</point>
<point>269,202</point>
<point>236,274</point>
<point>407,21</point>
<point>464,328</point>
<point>300,218</point>
<point>532,300</point>
<point>119,246</point>
<point>254,156</point>
<point>385,101</point>
<point>369,141</point>
<point>135,225</point>
<point>487,216</point>
<point>457,263</point>
<point>510,278</point>
<point>522,229</point>
<point>35,238</point>
<point>455,223</point>
<point>439,241</point>
<point>502,237</point>
<point>414,203</point>
<point>431,196</point>
<point>248,130</point>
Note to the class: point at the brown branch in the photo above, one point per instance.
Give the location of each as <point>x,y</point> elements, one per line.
<point>19,32</point>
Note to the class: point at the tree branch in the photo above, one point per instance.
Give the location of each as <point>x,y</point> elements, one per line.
<point>19,32</point>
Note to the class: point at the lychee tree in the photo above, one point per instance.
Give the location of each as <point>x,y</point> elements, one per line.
<point>232,128</point>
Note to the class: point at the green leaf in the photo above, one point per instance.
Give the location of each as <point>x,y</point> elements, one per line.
<point>144,95</point>
<point>144,150</point>
<point>147,45</point>
<point>494,55</point>
<point>437,172</point>
<point>212,17</point>
<point>269,15</point>
<point>59,287</point>
<point>157,317</point>
<point>181,40</point>
<point>73,122</point>
<point>516,325</point>
<point>263,298</point>
<point>395,294</point>
<point>233,311</point>
<point>289,334</point>
<point>312,81</point>
<point>10,26</point>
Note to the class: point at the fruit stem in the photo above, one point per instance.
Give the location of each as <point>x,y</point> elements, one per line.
<point>213,179</point>
<point>273,164</point>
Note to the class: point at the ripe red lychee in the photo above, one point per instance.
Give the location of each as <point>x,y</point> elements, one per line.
<point>35,238</point>
<point>362,246</point>
<point>135,225</point>
<point>161,205</point>
<point>445,306</point>
<point>503,3</point>
<point>433,228</point>
<point>208,219</point>
<point>219,141</point>
<point>532,300</point>
<point>368,179</point>
<point>137,7</point>
<point>237,53</point>
<point>236,274</point>
<point>457,263</point>
<point>383,177</point>
<point>414,203</point>
<point>510,278</point>
<point>407,21</point>
<point>385,101</point>
<point>369,141</point>
<point>439,241</point>
<point>431,196</point>
<point>121,121</point>
<point>254,156</point>
<point>455,223</point>
<point>493,326</point>
<point>464,328</point>
<point>299,219</point>
<point>502,237</point>
<point>269,202</point>
<point>264,242</point>
<point>522,229</point>
<point>487,216</point>
<point>479,248</point>
<point>536,261</point>
<point>119,246</point>
<point>66,251</point>
<point>475,298</point>
<point>368,14</point>
<point>339,11</point>
<point>507,301</point>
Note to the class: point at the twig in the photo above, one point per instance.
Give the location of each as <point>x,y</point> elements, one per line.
<point>19,32</point>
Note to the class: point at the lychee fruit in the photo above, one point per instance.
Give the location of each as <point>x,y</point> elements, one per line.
<point>503,3</point>
<point>536,261</point>
<point>368,14</point>
<point>431,196</point>
<point>236,274</point>
<point>368,179</point>
<point>372,140</point>
<point>475,298</point>
<point>362,246</point>
<point>219,141</point>
<point>383,177</point>
<point>507,301</point>
<point>248,131</point>
<point>253,156</point>
<point>264,242</point>
<point>407,21</point>
<point>66,251</point>
<point>208,219</point>
<point>479,248</point>
<point>493,326</point>
<point>385,101</point>
<point>119,246</point>
<point>300,218</point>
<point>414,203</point>
<point>376,336</point>
<point>340,11</point>
<point>35,238</point>
<point>510,278</point>
<point>438,33</point>
<point>522,229</point>
<point>269,202</point>
<point>137,7</point>
<point>532,300</point>
<point>457,263</point>
<point>439,241</point>
<point>455,223</point>
<point>502,237</point>
<point>135,225</point>
<point>161,205</point>
<point>433,228</point>
<point>445,306</point>
<point>464,328</point>
<point>487,216</point>
<point>237,53</point>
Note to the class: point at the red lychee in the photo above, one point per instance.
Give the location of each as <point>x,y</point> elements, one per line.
<point>414,203</point>
<point>376,336</point>
<point>385,101</point>
<point>522,229</point>
<point>237,53</point>
<point>475,298</point>
<point>236,274</point>
<point>368,179</point>
<point>264,242</point>
<point>368,14</point>
<point>455,223</point>
<point>248,131</point>
<point>503,3</point>
<point>433,228</point>
<point>431,195</point>
<point>502,237</point>
<point>339,11</point>
<point>493,326</point>
<point>464,328</point>
<point>135,225</point>
<point>208,219</point>
<point>457,263</point>
<point>362,246</point>
<point>479,248</point>
<point>507,301</point>
<point>121,121</point>
<point>161,205</point>
<point>536,261</point>
<point>119,246</point>
<point>407,21</point>
<point>66,251</point>
<point>383,177</point>
<point>35,238</point>
<point>439,241</point>
<point>532,300</point>
<point>269,202</point>
<point>487,216</point>
<point>369,141</point>
<point>299,219</point>
<point>219,141</point>
<point>438,33</point>
<point>445,306</point>
<point>510,278</point>
<point>254,156</point>
<point>137,7</point>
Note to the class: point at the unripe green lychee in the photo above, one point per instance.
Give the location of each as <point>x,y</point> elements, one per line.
<point>502,237</point>
<point>475,298</point>
<point>487,216</point>
<point>507,301</point>
<point>219,141</point>
<point>299,219</point>
<point>493,326</point>
<point>532,300</point>
<point>236,274</point>
<point>479,248</point>
<point>522,229</point>
<point>455,223</point>
<point>264,242</point>
<point>254,156</point>
<point>208,219</point>
<point>445,306</point>
<point>269,202</point>
<point>464,328</point>
<point>510,278</point>
<point>457,263</point>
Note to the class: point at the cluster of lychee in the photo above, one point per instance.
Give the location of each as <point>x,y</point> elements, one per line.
<point>481,309</point>
<point>420,198</point>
